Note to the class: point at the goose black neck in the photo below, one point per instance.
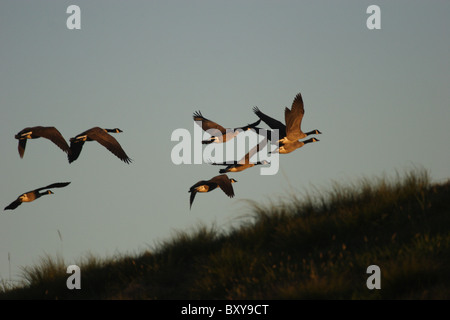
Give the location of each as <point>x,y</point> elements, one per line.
<point>312,132</point>
<point>310,140</point>
<point>40,194</point>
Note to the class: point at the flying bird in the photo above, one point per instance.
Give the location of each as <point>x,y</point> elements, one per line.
<point>103,137</point>
<point>244,163</point>
<point>223,135</point>
<point>50,133</point>
<point>34,194</point>
<point>290,132</point>
<point>288,147</point>
<point>222,181</point>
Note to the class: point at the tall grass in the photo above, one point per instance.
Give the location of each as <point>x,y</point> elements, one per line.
<point>311,245</point>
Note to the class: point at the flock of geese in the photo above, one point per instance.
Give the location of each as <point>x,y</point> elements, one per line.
<point>100,135</point>
<point>289,134</point>
<point>73,151</point>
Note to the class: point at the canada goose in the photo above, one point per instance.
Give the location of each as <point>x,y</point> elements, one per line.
<point>101,136</point>
<point>50,133</point>
<point>227,134</point>
<point>222,181</point>
<point>34,194</point>
<point>244,163</point>
<point>291,132</point>
<point>288,147</point>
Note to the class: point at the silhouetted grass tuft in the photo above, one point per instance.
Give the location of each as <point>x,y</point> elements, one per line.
<point>315,245</point>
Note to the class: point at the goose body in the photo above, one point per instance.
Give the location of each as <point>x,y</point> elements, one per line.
<point>221,181</point>
<point>237,167</point>
<point>223,135</point>
<point>103,137</point>
<point>50,133</point>
<point>291,131</point>
<point>34,194</point>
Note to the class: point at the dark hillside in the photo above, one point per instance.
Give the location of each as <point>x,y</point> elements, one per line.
<point>304,247</point>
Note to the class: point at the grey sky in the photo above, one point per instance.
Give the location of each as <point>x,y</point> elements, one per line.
<point>380,97</point>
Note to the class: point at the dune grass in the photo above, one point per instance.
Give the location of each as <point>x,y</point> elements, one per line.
<point>315,245</point>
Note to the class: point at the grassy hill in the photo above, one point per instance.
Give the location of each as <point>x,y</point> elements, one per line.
<point>306,246</point>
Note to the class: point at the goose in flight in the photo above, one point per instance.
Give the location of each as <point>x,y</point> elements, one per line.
<point>288,147</point>
<point>222,181</point>
<point>50,133</point>
<point>244,163</point>
<point>223,135</point>
<point>34,194</point>
<point>290,132</point>
<point>103,137</point>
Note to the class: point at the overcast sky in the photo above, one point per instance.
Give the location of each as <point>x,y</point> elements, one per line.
<point>380,98</point>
